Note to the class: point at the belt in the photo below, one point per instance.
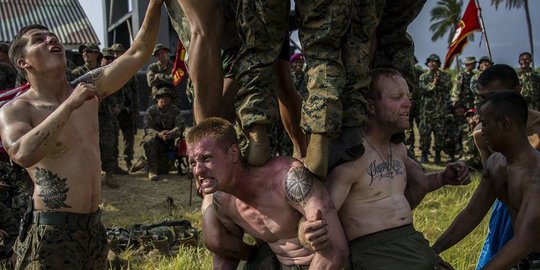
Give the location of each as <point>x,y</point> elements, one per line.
<point>82,221</point>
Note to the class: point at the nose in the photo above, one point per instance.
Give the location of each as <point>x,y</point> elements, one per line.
<point>198,169</point>
<point>52,39</point>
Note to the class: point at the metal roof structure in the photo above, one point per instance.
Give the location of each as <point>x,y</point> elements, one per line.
<point>65,18</point>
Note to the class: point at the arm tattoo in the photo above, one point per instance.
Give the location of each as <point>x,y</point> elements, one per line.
<point>90,77</point>
<point>53,189</point>
<point>298,184</point>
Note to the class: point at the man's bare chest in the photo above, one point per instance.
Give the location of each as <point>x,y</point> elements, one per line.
<point>266,221</point>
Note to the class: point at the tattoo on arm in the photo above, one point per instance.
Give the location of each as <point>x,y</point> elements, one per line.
<point>53,189</point>
<point>90,77</point>
<point>298,184</point>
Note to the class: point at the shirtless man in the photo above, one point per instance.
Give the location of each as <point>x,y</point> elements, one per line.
<point>375,193</point>
<point>265,201</point>
<point>52,131</point>
<point>512,175</point>
<point>495,79</point>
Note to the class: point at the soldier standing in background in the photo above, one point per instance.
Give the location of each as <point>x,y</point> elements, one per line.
<point>483,63</point>
<point>435,87</point>
<point>454,128</point>
<point>92,59</point>
<point>159,73</point>
<point>462,91</point>
<point>529,80</point>
<point>162,125</point>
<point>108,129</point>
<point>414,113</point>
<point>128,116</point>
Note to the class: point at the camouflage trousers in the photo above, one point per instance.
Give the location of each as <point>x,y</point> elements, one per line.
<point>263,26</point>
<point>128,127</point>
<point>9,224</point>
<point>108,143</point>
<point>430,125</point>
<point>470,153</point>
<point>335,46</point>
<point>395,47</point>
<point>159,154</point>
<point>62,247</point>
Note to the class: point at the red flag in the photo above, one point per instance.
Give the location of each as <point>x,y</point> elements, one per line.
<point>179,69</point>
<point>468,24</point>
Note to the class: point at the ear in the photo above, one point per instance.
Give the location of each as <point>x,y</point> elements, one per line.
<point>22,63</point>
<point>370,106</point>
<point>234,152</point>
<point>504,122</point>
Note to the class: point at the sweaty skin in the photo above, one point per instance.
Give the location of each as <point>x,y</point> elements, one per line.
<point>267,202</point>
<point>52,129</point>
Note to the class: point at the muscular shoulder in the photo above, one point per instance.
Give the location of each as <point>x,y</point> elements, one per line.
<point>494,162</point>
<point>298,182</point>
<point>89,77</point>
<point>17,107</point>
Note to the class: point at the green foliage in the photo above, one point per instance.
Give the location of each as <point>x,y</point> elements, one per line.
<point>445,16</point>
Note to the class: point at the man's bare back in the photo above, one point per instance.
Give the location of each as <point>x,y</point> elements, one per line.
<point>268,217</point>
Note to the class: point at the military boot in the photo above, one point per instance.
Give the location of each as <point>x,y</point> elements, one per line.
<point>438,157</point>
<point>109,180</point>
<point>317,155</point>
<point>424,158</point>
<point>152,176</point>
<point>139,164</point>
<point>259,145</point>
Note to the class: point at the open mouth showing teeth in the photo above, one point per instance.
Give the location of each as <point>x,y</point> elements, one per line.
<point>55,49</point>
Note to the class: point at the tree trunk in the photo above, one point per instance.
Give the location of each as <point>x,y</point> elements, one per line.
<point>529,29</point>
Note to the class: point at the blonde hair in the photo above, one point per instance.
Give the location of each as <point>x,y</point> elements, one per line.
<point>213,127</point>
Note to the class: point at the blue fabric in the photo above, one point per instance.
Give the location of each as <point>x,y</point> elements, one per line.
<point>499,232</point>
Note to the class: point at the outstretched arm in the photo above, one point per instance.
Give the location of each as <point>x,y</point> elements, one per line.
<point>419,184</point>
<point>469,217</point>
<point>115,75</point>
<point>306,194</point>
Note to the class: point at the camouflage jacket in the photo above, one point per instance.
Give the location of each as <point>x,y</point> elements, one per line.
<point>130,95</point>
<point>462,91</point>
<point>80,70</point>
<point>530,87</point>
<point>8,76</point>
<point>159,76</point>
<point>156,120</point>
<point>435,95</point>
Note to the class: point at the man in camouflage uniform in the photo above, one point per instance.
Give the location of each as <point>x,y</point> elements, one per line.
<point>162,125</point>
<point>297,73</point>
<point>15,190</point>
<point>483,63</point>
<point>414,113</point>
<point>108,111</point>
<point>159,73</point>
<point>435,87</point>
<point>454,128</point>
<point>471,156</point>
<point>462,91</point>
<point>92,59</point>
<point>129,114</point>
<point>529,80</point>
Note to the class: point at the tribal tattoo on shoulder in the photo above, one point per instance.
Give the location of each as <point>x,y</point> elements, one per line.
<point>298,184</point>
<point>53,189</point>
<point>90,77</point>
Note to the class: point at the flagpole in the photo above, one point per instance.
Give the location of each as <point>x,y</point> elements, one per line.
<point>483,28</point>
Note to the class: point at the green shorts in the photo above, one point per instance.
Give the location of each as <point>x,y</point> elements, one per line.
<point>401,248</point>
<point>60,240</point>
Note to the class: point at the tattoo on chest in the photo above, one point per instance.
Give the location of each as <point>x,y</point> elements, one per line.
<point>385,169</point>
<point>48,107</point>
<point>298,184</point>
<point>53,189</point>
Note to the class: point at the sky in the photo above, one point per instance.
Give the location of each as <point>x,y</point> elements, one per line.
<point>506,31</point>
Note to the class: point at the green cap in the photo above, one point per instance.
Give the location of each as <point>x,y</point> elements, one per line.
<point>163,91</point>
<point>470,60</point>
<point>159,47</point>
<point>89,48</point>
<point>117,47</point>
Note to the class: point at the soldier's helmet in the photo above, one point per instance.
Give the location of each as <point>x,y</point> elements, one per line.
<point>485,58</point>
<point>470,60</point>
<point>433,57</point>
<point>163,91</point>
<point>159,47</point>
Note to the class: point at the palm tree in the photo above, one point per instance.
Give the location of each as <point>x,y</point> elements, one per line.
<point>510,4</point>
<point>445,16</point>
